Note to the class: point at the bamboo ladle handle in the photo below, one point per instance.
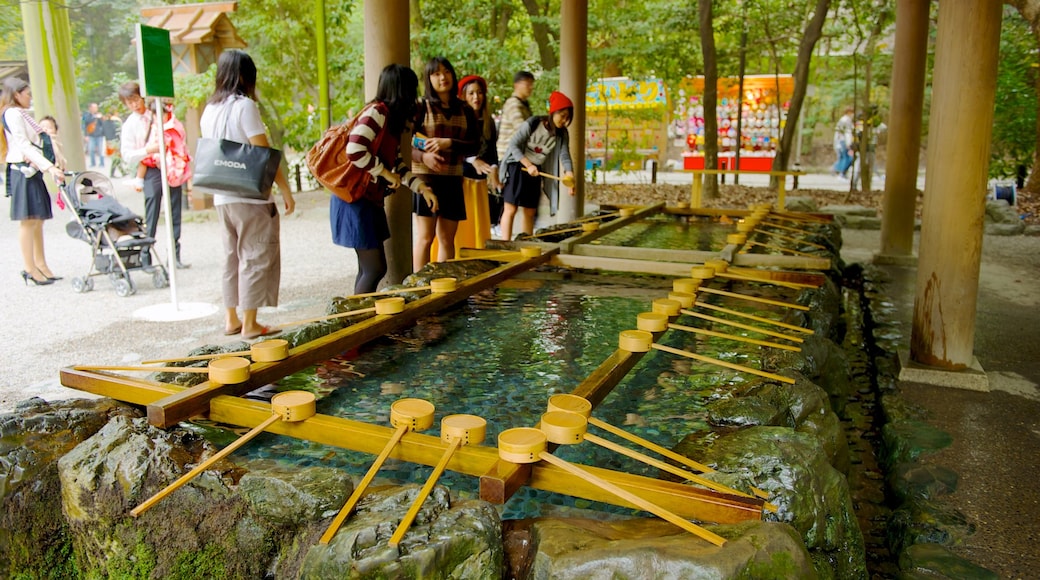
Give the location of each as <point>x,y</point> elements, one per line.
<point>725,336</point>
<point>413,511</point>
<point>386,292</point>
<point>764,320</point>
<point>726,322</point>
<point>328,317</point>
<point>754,298</point>
<point>780,249</point>
<point>363,484</point>
<point>643,458</point>
<point>141,368</point>
<point>722,363</point>
<point>632,498</point>
<point>205,465</point>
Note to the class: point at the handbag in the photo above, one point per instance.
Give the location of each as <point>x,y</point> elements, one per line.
<point>328,162</point>
<point>236,169</point>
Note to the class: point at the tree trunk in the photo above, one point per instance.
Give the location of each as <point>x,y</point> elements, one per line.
<point>813,31</point>
<point>711,97</point>
<point>503,13</point>
<point>867,150</point>
<point>417,28</point>
<point>1030,10</point>
<point>541,35</point>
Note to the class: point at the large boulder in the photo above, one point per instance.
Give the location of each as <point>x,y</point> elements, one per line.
<point>34,538</point>
<point>821,361</point>
<point>810,494</point>
<point>202,530</point>
<point>460,540</point>
<point>642,548</point>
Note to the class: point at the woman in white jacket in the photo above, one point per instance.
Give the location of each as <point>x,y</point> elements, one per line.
<point>23,147</point>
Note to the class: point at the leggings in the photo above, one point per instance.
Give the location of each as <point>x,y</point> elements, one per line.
<point>371,269</point>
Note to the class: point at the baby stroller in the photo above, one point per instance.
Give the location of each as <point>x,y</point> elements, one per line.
<point>115,234</point>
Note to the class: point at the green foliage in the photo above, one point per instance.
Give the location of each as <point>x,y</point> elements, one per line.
<point>1014,115</point>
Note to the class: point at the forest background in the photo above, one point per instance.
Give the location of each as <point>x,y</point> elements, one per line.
<point>850,61</point>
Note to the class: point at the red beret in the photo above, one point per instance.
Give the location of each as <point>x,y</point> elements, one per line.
<point>471,79</point>
<point>559,101</point>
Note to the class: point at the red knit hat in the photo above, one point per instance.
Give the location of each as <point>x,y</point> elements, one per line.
<point>471,79</point>
<point>558,102</point>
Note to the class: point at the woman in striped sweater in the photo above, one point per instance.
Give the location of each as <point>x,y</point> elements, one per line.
<point>362,225</point>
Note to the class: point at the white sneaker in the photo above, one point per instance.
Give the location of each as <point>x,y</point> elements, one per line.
<point>496,232</point>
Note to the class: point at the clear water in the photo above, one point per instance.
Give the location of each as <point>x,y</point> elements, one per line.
<point>501,354</point>
<point>670,233</point>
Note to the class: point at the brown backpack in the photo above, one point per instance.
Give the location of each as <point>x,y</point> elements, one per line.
<point>328,162</point>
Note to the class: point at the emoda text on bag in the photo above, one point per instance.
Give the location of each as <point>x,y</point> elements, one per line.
<point>229,163</point>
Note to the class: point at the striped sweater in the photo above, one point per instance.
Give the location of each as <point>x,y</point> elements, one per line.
<point>360,151</point>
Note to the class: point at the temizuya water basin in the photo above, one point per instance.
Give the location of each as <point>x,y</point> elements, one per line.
<point>670,232</point>
<point>502,354</point>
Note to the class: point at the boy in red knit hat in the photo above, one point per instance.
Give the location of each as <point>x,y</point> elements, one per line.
<point>539,145</point>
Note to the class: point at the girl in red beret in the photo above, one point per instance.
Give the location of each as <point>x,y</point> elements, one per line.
<point>540,145</point>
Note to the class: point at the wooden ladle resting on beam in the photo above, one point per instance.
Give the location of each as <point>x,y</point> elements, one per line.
<point>657,322</point>
<point>406,415</point>
<point>643,341</point>
<point>272,350</point>
<point>526,445</point>
<point>223,371</point>
<point>583,408</point>
<point>393,305</point>
<point>456,431</point>
<point>290,406</point>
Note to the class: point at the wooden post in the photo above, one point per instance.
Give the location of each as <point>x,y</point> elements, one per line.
<point>904,129</point>
<point>48,51</point>
<point>959,133</point>
<point>574,24</point>
<point>386,42</point>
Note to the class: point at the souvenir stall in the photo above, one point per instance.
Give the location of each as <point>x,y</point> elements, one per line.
<point>625,123</point>
<point>762,109</point>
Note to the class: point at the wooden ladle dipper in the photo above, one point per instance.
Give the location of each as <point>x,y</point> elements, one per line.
<point>290,406</point>
<point>456,431</point>
<point>525,445</point>
<point>222,371</point>
<point>579,405</point>
<point>406,415</point>
<point>272,350</point>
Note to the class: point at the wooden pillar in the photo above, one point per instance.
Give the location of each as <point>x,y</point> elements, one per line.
<point>386,42</point>
<point>52,76</point>
<point>959,131</point>
<point>904,129</point>
<point>574,25</point>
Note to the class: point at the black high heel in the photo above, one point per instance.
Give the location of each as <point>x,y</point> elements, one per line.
<point>55,278</point>
<point>27,277</point>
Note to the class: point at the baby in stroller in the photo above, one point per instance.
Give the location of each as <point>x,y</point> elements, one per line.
<point>115,234</point>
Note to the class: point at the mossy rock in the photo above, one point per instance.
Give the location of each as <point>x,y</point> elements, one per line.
<point>935,561</point>
<point>795,470</point>
<point>745,412</point>
<point>916,481</point>
<point>922,521</point>
<point>645,548</point>
<point>905,441</point>
<point>35,541</point>
<point>447,540</point>
<point>822,362</point>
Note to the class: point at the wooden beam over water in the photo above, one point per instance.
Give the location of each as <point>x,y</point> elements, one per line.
<point>567,245</point>
<point>476,460</point>
<point>167,409</point>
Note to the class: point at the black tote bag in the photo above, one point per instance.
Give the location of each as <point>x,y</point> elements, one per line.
<point>237,169</point>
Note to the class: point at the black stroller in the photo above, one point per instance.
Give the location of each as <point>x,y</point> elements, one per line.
<point>116,235</point>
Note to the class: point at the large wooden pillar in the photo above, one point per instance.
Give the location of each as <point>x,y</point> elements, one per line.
<point>574,25</point>
<point>904,130</point>
<point>52,75</point>
<point>387,42</point>
<point>959,131</point>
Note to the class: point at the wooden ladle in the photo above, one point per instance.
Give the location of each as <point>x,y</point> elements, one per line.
<point>406,415</point>
<point>574,404</point>
<point>222,371</point>
<point>643,341</point>
<point>272,350</point>
<point>393,305</point>
<point>525,445</point>
<point>657,322</point>
<point>290,406</point>
<point>456,431</point>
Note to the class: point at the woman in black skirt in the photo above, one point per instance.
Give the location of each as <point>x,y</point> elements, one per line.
<point>24,147</point>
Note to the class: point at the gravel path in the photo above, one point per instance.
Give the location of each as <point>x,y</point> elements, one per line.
<point>50,327</point>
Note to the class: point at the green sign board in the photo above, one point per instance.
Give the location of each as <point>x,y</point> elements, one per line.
<point>154,64</point>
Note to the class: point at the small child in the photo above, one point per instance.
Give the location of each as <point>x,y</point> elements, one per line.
<point>540,143</point>
<point>178,168</point>
<point>50,125</point>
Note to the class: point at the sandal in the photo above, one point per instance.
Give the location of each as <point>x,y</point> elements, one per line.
<point>264,331</point>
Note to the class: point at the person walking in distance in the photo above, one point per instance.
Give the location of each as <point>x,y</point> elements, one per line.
<point>94,136</point>
<point>515,111</point>
<point>136,145</point>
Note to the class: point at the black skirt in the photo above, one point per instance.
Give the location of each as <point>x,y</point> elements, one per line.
<point>29,196</point>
